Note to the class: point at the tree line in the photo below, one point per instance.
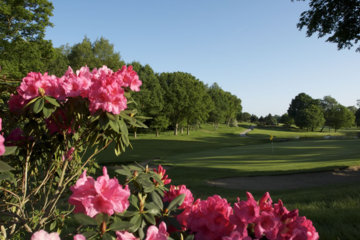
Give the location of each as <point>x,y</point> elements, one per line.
<point>174,100</point>
<point>310,114</point>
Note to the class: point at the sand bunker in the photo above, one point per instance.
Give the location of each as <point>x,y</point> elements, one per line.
<point>291,181</point>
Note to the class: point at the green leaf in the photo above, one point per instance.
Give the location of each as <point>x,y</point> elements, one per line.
<point>10,150</point>
<point>134,201</point>
<point>38,105</point>
<point>107,236</point>
<point>114,125</point>
<point>176,202</point>
<point>150,218</point>
<point>52,101</point>
<point>112,117</point>
<point>123,172</point>
<point>152,208</point>
<point>85,219</point>
<point>190,237</point>
<point>89,234</point>
<point>52,225</point>
<point>157,200</point>
<point>123,127</point>
<point>7,176</point>
<point>136,222</point>
<point>48,111</point>
<point>119,225</point>
<point>31,101</point>
<point>4,167</point>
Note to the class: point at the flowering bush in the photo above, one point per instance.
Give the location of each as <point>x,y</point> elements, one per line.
<point>56,127</point>
<point>173,214</point>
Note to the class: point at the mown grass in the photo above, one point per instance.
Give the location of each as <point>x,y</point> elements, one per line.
<point>209,154</point>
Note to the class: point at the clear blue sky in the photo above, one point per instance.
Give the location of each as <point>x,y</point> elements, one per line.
<point>251,48</point>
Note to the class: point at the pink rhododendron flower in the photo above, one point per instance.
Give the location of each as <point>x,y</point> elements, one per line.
<point>104,195</point>
<point>78,84</point>
<point>79,237</point>
<point>209,219</point>
<point>30,85</point>
<point>161,171</point>
<point>153,233</point>
<point>16,103</point>
<point>265,203</point>
<point>43,235</point>
<point>236,236</point>
<point>267,224</point>
<point>131,79</point>
<point>106,92</point>
<point>124,235</point>
<point>176,191</point>
<point>245,211</point>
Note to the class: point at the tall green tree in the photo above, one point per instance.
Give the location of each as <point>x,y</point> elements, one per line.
<point>310,117</point>
<point>339,117</point>
<point>185,99</point>
<point>150,100</point>
<point>26,19</point>
<point>20,57</point>
<point>217,114</point>
<point>337,21</point>
<point>94,55</point>
<point>357,118</point>
<point>302,106</point>
<point>22,28</point>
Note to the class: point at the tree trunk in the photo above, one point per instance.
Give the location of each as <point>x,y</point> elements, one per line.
<point>322,128</point>
<point>188,130</point>
<point>182,130</point>
<point>176,129</point>
<point>157,132</point>
<point>135,136</point>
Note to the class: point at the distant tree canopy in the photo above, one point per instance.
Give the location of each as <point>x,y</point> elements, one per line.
<point>226,106</point>
<point>26,19</point>
<point>338,21</point>
<point>22,28</point>
<point>312,113</point>
<point>94,55</point>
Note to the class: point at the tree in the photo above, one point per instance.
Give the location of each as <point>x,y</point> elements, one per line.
<point>339,117</point>
<point>217,115</point>
<point>59,62</point>
<point>22,28</point>
<point>20,57</point>
<point>270,120</point>
<point>286,120</point>
<point>245,116</point>
<point>357,118</point>
<point>186,99</point>
<point>150,100</point>
<point>94,55</point>
<point>297,109</point>
<point>25,19</point>
<point>254,118</point>
<point>337,20</point>
<point>310,117</point>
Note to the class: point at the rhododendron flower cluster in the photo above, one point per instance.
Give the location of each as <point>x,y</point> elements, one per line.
<point>209,219</point>
<point>162,172</point>
<point>215,219</point>
<point>2,139</point>
<point>104,195</point>
<point>273,222</point>
<point>102,87</point>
